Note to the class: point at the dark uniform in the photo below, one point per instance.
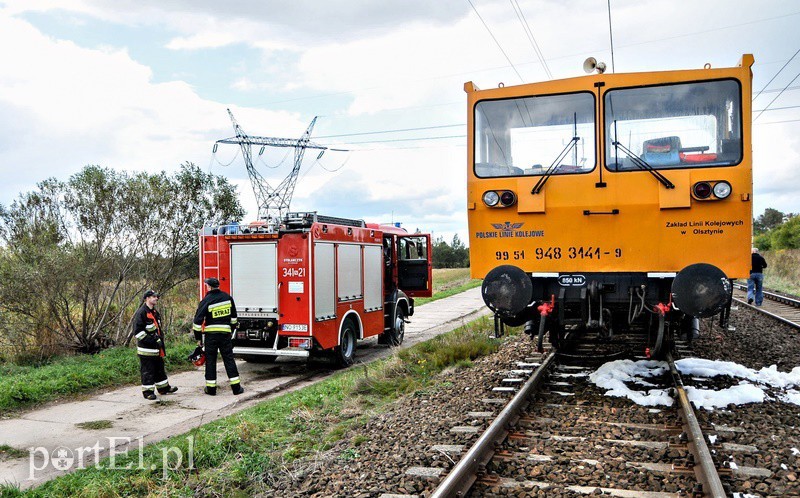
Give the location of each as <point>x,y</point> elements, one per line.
<point>216,320</point>
<point>150,349</point>
<point>755,284</point>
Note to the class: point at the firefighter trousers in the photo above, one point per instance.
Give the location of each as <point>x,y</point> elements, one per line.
<point>220,342</point>
<point>154,376</point>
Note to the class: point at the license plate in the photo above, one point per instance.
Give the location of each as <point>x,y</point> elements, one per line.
<point>294,327</point>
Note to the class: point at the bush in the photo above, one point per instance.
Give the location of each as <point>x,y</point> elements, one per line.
<point>787,235</point>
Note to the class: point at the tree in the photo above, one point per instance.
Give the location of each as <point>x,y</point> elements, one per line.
<point>768,220</point>
<point>79,253</point>
<point>454,255</point>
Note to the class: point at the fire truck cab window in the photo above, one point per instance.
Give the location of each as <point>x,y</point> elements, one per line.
<point>528,136</point>
<point>687,125</point>
<point>413,248</point>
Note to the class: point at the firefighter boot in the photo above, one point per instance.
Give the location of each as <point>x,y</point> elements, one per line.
<point>210,390</point>
<point>167,390</point>
<point>149,395</point>
<point>237,389</point>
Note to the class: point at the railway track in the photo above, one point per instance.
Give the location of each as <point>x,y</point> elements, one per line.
<point>575,437</point>
<point>556,436</point>
<point>782,308</point>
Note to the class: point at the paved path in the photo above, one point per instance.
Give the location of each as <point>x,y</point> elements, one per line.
<point>51,435</point>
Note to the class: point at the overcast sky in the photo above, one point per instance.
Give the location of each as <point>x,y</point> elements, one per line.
<point>143,85</point>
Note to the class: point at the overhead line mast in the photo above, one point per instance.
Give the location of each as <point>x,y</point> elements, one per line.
<point>273,203</point>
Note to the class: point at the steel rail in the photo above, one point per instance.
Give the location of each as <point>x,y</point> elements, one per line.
<point>704,469</point>
<point>773,297</point>
<point>773,315</point>
<point>464,474</point>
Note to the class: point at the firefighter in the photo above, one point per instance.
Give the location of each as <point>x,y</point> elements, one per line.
<point>216,320</point>
<point>150,347</point>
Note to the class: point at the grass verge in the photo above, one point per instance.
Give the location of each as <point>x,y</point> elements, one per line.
<point>25,386</point>
<point>783,272</point>
<point>242,454</point>
<point>448,282</point>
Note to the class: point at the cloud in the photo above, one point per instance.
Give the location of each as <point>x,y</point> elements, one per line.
<point>73,106</point>
<point>776,153</point>
<point>206,23</point>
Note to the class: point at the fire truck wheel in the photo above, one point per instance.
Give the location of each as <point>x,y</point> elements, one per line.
<point>345,352</point>
<point>398,332</point>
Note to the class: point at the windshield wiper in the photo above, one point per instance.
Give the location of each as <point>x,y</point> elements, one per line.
<point>642,164</point>
<point>553,167</point>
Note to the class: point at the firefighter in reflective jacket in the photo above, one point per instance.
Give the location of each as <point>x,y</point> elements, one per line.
<point>150,347</point>
<point>216,320</point>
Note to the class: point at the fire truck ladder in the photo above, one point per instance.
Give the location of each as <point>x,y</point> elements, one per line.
<point>273,202</point>
<point>210,257</point>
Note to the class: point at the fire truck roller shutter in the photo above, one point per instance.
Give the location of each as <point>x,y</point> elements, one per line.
<point>254,276</point>
<point>348,258</point>
<point>373,274</point>
<point>324,291</point>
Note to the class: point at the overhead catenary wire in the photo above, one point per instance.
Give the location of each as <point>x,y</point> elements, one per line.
<point>776,97</point>
<point>532,39</point>
<point>496,41</point>
<point>392,131</point>
<point>420,139</point>
<point>776,74</point>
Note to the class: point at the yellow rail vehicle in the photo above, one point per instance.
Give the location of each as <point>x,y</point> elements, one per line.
<point>612,202</point>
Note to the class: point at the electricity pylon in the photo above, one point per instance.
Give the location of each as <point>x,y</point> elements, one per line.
<point>273,203</point>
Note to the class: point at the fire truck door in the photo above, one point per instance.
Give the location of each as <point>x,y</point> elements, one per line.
<point>414,265</point>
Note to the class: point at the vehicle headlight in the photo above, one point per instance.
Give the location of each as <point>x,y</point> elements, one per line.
<point>722,190</point>
<point>491,198</point>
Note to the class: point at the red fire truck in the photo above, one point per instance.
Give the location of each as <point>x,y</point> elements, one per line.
<point>317,284</point>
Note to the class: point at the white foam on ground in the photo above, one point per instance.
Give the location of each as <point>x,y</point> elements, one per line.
<point>616,376</point>
<point>738,395</point>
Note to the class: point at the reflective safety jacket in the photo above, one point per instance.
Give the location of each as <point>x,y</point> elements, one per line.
<point>216,313</point>
<point>148,331</point>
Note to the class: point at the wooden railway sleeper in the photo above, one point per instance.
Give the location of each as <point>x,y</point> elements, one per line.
<point>489,480</point>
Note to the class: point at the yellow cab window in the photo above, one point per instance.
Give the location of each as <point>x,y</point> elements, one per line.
<point>685,125</point>
<point>529,135</point>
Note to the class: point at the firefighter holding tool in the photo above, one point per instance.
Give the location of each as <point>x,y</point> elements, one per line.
<point>215,320</point>
<point>150,347</point>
